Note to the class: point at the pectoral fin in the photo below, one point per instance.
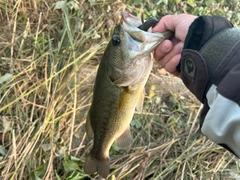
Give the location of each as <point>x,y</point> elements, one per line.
<point>125,140</point>
<point>139,105</point>
<point>89,129</point>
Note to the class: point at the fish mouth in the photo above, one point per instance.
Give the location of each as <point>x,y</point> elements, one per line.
<point>131,20</point>
<point>139,34</point>
<point>138,30</point>
<point>136,22</point>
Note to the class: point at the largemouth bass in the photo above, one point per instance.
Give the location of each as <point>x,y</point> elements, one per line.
<point>119,89</point>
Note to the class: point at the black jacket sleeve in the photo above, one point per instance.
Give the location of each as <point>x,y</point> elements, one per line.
<point>210,69</point>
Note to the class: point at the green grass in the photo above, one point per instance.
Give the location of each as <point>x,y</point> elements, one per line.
<point>53,54</point>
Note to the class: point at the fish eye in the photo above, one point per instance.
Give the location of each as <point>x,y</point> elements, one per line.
<point>115,40</point>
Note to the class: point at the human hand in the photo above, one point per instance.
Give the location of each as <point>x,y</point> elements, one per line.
<point>168,53</point>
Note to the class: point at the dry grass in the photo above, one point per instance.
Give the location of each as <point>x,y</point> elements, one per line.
<point>52,55</point>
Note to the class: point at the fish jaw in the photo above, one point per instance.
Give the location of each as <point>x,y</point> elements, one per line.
<point>148,41</point>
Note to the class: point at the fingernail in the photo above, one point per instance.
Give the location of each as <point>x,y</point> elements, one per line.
<point>165,47</point>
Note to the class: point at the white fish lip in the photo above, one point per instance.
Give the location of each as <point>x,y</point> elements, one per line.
<point>130,24</point>
<point>148,40</point>
<point>131,20</point>
<point>134,22</point>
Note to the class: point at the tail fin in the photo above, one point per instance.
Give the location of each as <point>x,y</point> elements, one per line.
<point>101,166</point>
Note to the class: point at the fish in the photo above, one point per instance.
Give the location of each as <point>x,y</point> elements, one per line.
<point>119,89</point>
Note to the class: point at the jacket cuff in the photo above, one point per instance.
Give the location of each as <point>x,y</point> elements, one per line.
<point>204,28</point>
<point>202,54</point>
<point>201,30</point>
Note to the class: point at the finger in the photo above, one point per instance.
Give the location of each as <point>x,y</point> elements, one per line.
<point>174,41</point>
<point>172,64</point>
<point>177,49</point>
<point>176,23</point>
<point>163,49</point>
<point>165,23</point>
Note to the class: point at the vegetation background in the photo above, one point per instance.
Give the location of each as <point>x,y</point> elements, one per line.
<point>49,52</point>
